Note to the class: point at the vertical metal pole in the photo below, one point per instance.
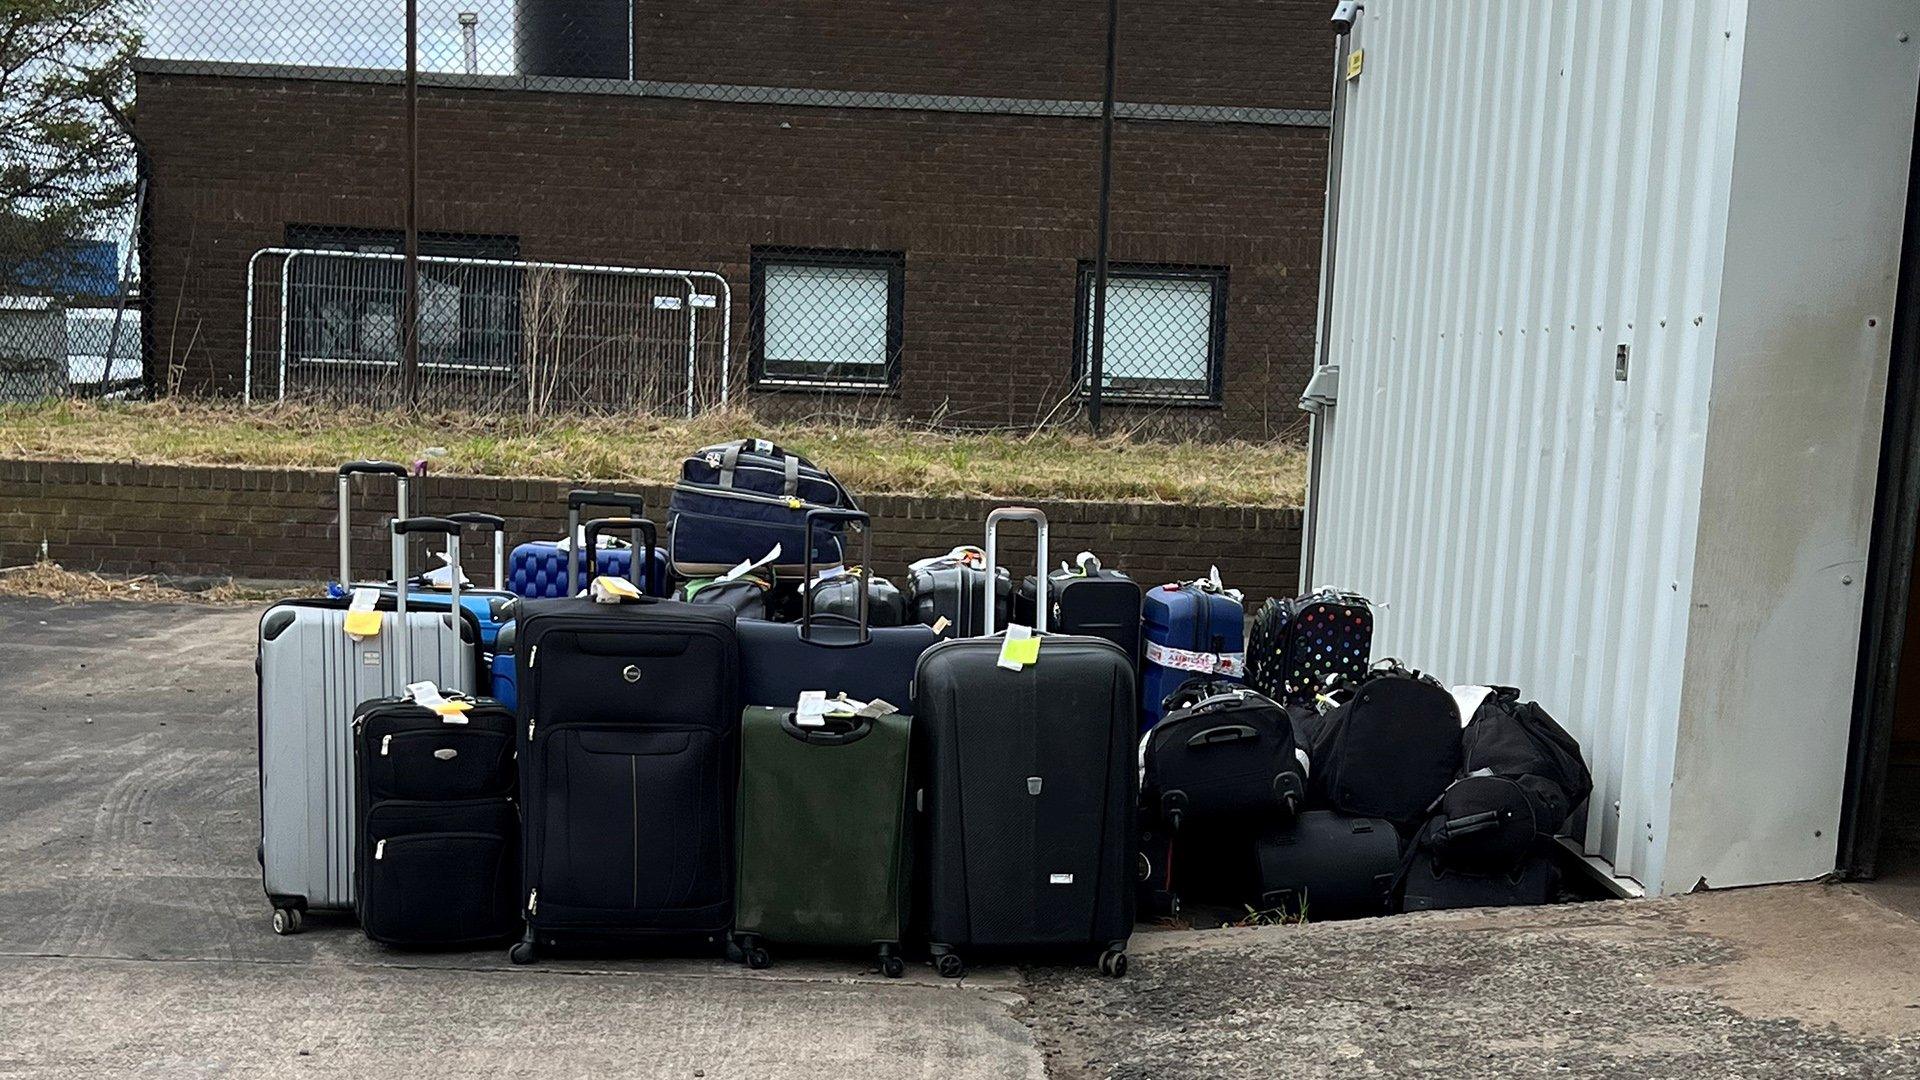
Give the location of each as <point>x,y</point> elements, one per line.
<point>469,37</point>
<point>1097,349</point>
<point>410,275</point>
<point>1329,240</point>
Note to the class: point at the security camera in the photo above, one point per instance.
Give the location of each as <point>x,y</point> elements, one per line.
<point>1344,14</point>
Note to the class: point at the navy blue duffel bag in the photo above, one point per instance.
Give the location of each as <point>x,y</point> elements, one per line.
<point>735,501</point>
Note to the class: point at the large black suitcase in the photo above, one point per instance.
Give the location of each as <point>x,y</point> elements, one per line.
<point>629,761</point>
<point>1030,784</point>
<point>1229,760</point>
<point>831,652</point>
<point>1325,865</point>
<point>438,836</point>
<point>1086,598</point>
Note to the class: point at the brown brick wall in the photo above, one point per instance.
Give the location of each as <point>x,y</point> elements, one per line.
<point>279,524</point>
<point>992,212</point>
<point>1270,53</point>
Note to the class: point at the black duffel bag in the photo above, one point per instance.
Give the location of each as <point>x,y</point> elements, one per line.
<point>1388,751</point>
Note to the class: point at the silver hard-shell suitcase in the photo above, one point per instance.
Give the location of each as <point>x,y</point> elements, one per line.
<point>312,675</point>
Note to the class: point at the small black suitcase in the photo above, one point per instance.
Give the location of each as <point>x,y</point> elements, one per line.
<point>950,591</point>
<point>629,764</point>
<point>1087,599</point>
<point>1429,886</point>
<point>1322,865</point>
<point>1226,760</point>
<point>437,858</point>
<point>1030,784</point>
<point>831,652</point>
<point>839,595</point>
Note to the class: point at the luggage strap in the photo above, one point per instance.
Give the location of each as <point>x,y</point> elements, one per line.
<point>1233,663</point>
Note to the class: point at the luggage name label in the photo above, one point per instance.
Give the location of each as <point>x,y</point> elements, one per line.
<point>1230,663</point>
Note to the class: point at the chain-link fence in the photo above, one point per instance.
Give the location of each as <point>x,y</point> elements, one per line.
<point>893,206</point>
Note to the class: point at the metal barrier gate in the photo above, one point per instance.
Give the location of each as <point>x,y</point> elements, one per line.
<point>497,334</point>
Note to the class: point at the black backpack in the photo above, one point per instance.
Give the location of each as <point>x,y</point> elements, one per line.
<point>1225,762</point>
<point>1522,774</point>
<point>1389,750</point>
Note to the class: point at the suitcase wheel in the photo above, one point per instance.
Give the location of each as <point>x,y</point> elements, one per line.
<point>890,963</point>
<point>523,952</point>
<point>746,949</point>
<point>948,963</point>
<point>1113,962</point>
<point>286,920</point>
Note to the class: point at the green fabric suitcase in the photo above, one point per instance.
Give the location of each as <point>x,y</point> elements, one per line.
<point>823,858</point>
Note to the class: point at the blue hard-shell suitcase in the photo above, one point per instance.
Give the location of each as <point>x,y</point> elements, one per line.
<point>1188,628</point>
<point>539,569</point>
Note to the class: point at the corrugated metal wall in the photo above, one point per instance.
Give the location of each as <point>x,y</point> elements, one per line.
<point>1527,188</point>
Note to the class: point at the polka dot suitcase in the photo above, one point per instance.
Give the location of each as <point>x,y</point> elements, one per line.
<point>1297,643</point>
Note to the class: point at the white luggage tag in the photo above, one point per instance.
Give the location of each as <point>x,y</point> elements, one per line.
<point>749,566</point>
<point>607,589</point>
<point>363,621</point>
<point>604,543</point>
<point>1019,648</point>
<point>428,696</point>
<point>875,709</point>
<point>811,710</point>
<point>829,574</point>
<point>440,577</point>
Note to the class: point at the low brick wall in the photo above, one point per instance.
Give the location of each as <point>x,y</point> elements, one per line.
<point>280,524</point>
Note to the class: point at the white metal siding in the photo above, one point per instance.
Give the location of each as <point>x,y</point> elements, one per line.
<point>1527,187</point>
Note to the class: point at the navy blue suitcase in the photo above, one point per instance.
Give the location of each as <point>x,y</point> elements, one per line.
<point>735,501</point>
<point>543,569</point>
<point>1187,629</point>
<point>833,653</point>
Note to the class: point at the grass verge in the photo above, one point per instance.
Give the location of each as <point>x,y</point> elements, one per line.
<point>870,458</point>
<point>50,580</point>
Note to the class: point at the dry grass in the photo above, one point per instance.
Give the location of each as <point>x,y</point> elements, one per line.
<point>870,457</point>
<point>52,581</point>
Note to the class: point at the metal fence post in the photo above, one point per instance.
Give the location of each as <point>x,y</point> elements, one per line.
<point>410,275</point>
<point>1096,364</point>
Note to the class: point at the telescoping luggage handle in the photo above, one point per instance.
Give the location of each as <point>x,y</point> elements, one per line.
<point>497,525</point>
<point>994,518</point>
<point>643,531</point>
<point>403,528</point>
<point>863,623</point>
<point>365,468</point>
<point>634,505</point>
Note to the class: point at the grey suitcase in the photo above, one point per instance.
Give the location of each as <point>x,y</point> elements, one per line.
<point>312,676</point>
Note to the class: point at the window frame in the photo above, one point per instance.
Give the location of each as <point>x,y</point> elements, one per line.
<point>1215,382</point>
<point>894,263</point>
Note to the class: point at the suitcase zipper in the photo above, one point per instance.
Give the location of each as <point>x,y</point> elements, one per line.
<point>533,657</point>
<point>386,744</point>
<point>533,902</point>
<point>379,851</point>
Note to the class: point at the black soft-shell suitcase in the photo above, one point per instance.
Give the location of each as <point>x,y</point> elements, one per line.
<point>629,761</point>
<point>1432,886</point>
<point>1323,865</point>
<point>438,835</point>
<point>1030,784</point>
<point>1227,761</point>
<point>1089,599</point>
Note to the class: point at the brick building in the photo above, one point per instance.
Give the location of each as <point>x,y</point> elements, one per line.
<point>900,195</point>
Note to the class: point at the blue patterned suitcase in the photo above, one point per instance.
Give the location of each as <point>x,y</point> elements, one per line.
<point>538,569</point>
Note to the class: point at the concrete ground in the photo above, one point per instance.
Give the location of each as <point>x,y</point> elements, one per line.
<point>134,941</point>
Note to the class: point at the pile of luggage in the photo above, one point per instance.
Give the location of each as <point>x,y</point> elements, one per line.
<point>747,739</point>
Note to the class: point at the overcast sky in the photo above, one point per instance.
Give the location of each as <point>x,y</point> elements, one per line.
<point>338,33</point>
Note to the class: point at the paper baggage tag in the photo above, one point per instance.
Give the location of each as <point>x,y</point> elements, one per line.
<point>607,589</point>
<point>940,625</point>
<point>428,696</point>
<point>749,566</point>
<point>811,710</point>
<point>828,574</point>
<point>362,620</point>
<point>842,707</point>
<point>877,708</point>
<point>1019,648</point>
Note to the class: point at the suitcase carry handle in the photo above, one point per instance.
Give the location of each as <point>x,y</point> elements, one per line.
<point>863,624</point>
<point>642,556</point>
<point>1472,823</point>
<point>857,728</point>
<point>790,463</point>
<point>365,468</point>
<point>994,518</point>
<point>497,525</point>
<point>1225,734</point>
<point>634,505</point>
<point>403,528</point>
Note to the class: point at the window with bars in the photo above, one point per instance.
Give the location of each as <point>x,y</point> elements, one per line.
<point>1166,332</point>
<point>826,318</point>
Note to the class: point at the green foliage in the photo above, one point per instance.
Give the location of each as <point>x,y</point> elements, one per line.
<point>66,139</point>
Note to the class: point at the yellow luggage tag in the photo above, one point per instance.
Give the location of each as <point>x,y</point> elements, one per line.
<point>1019,648</point>
<point>363,621</point>
<point>607,589</point>
<point>428,696</point>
